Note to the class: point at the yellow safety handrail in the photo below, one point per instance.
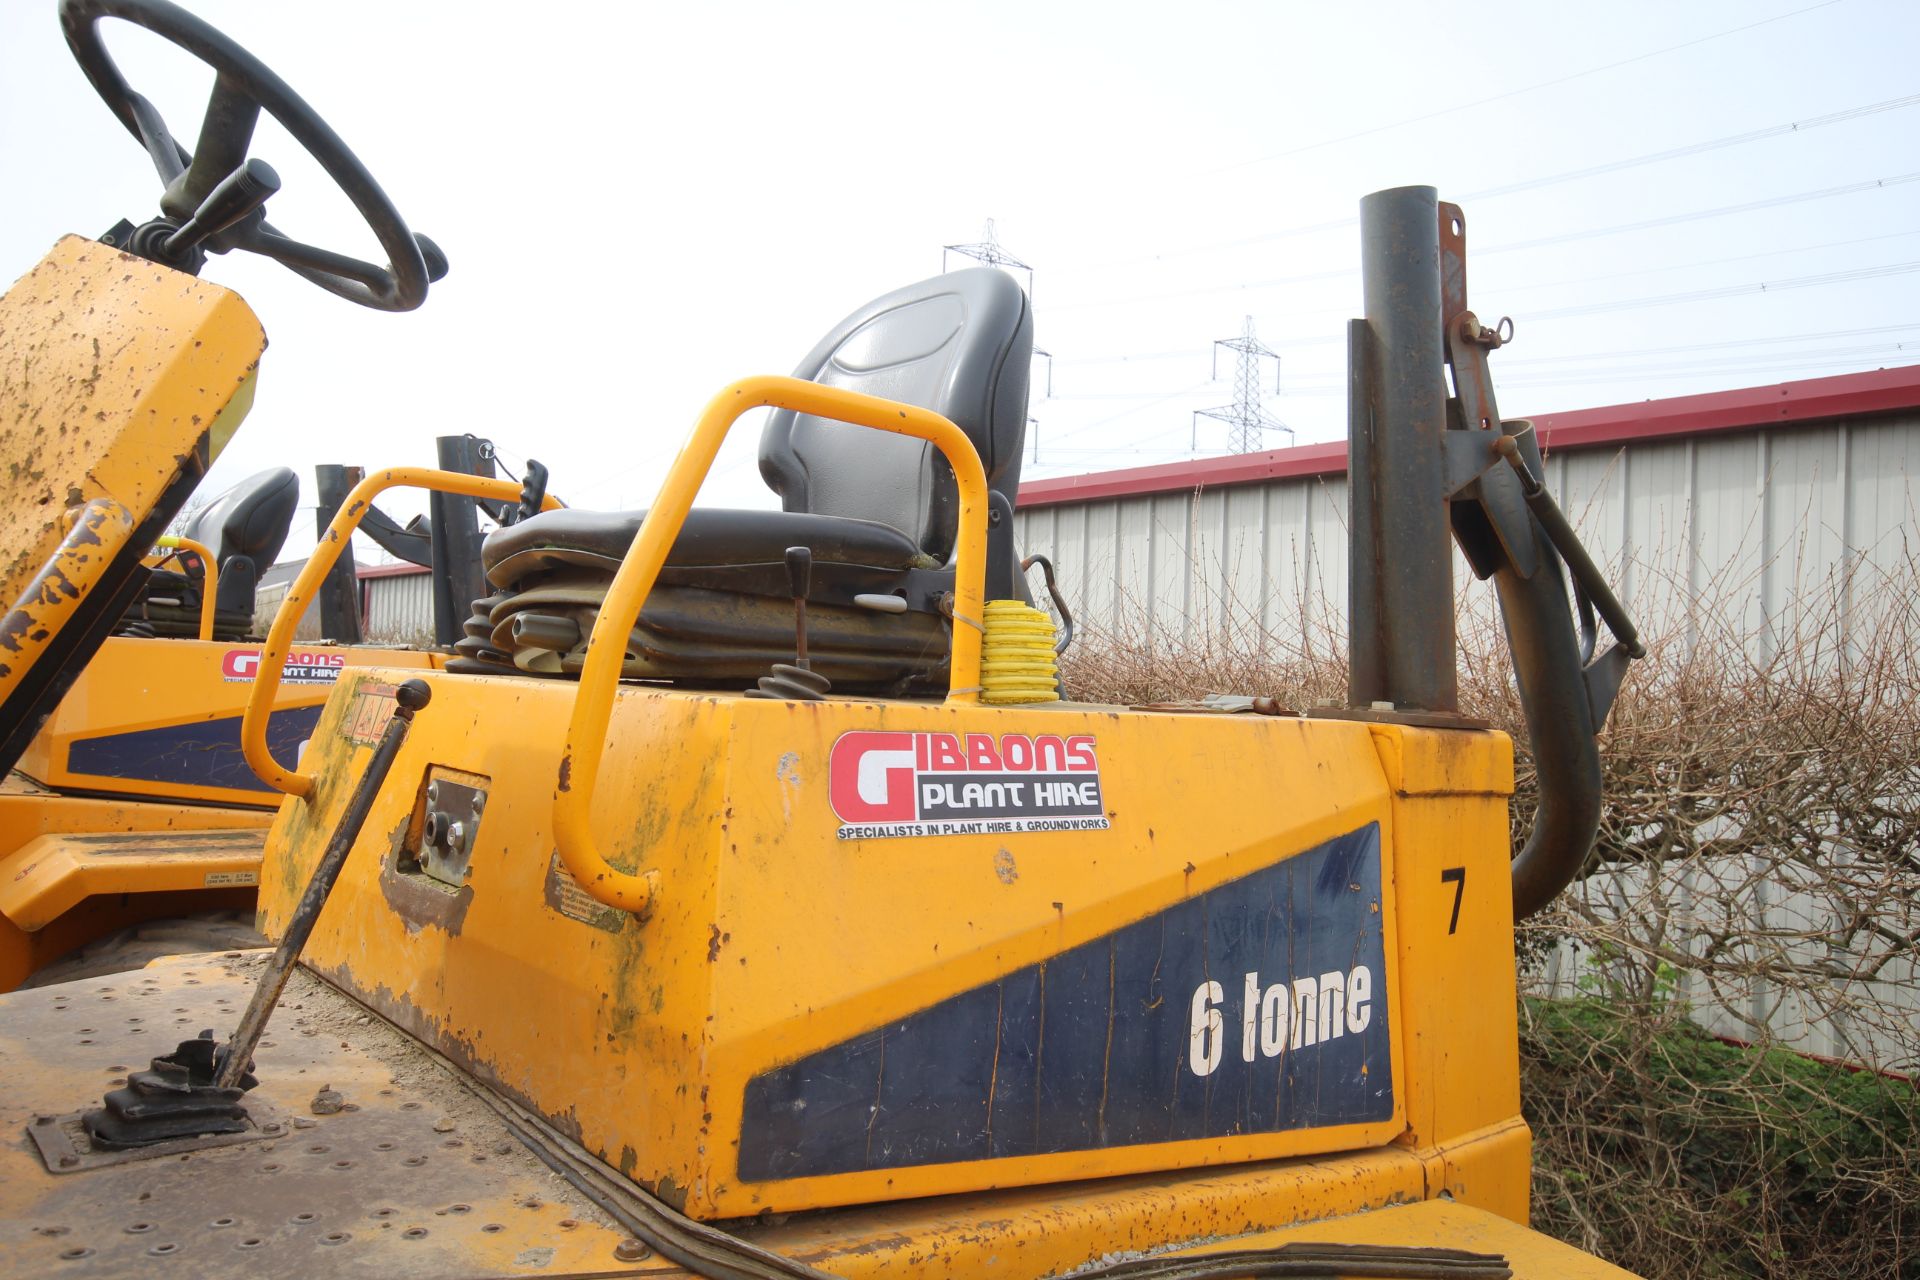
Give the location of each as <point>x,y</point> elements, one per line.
<point>208,586</point>
<point>101,529</point>
<point>607,645</point>
<point>273,655</point>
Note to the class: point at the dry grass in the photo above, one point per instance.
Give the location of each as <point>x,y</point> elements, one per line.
<point>1758,870</point>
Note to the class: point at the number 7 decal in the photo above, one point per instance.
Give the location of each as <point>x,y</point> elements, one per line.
<point>1457,877</point>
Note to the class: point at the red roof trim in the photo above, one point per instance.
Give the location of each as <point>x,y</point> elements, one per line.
<point>400,570</point>
<point>1848,395</point>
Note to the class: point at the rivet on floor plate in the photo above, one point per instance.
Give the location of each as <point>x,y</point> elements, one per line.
<point>134,1229</point>
<point>459,1208</point>
<point>568,1224</point>
<point>162,1250</point>
<point>305,1217</point>
<point>335,1237</point>
<point>251,1242</point>
<point>221,1222</point>
<point>69,1255</point>
<point>413,1233</point>
<point>414,1161</point>
<point>52,1231</point>
<point>631,1250</point>
<point>492,1227</point>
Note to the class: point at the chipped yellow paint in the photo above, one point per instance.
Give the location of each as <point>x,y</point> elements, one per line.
<point>100,531</point>
<point>780,938</point>
<point>478,1223</point>
<point>578,771</point>
<point>115,374</point>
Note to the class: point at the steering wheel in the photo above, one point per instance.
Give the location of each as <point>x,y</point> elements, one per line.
<point>214,196</point>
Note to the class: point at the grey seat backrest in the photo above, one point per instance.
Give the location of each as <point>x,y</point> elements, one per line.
<point>251,519</point>
<point>960,344</point>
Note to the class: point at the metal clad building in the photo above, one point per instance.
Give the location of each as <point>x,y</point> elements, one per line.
<point>396,603</point>
<point>1756,506</point>
<point>1771,516</point>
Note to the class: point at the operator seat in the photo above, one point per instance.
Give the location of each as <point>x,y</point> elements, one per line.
<point>879,512</point>
<point>245,527</point>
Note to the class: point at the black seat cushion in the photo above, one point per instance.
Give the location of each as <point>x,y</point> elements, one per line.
<point>710,538</point>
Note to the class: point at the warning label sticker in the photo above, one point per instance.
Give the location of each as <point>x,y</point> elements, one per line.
<point>888,785</point>
<point>564,894</point>
<point>228,879</point>
<point>311,666</point>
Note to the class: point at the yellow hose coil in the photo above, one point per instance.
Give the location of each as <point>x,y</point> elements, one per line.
<point>1016,655</point>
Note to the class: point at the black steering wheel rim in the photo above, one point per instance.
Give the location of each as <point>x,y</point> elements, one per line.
<point>244,86</point>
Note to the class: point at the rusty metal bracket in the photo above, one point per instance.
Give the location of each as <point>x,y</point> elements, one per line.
<point>1487,505</point>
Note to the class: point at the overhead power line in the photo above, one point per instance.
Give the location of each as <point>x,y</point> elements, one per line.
<point>1729,291</point>
<point>1698,148</point>
<point>1591,233</point>
<point>1515,93</point>
<point>1722,211</point>
<point>1531,184</point>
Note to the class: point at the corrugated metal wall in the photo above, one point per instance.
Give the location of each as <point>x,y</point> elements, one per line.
<point>400,609</point>
<point>1765,536</point>
<point>1749,526</point>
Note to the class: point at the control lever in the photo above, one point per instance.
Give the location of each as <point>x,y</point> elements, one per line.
<point>236,197</point>
<point>799,579</point>
<point>798,681</point>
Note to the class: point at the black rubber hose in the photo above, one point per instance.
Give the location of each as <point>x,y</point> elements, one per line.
<point>1566,757</point>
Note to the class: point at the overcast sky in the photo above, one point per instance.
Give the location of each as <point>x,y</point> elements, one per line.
<point>642,203</point>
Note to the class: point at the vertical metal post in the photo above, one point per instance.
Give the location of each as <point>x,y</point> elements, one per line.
<point>340,591</point>
<point>1401,552</point>
<point>1366,663</point>
<point>457,577</point>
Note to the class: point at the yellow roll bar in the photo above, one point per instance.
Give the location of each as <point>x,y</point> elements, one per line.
<point>101,529</point>
<point>174,542</point>
<point>273,656</point>
<point>607,645</point>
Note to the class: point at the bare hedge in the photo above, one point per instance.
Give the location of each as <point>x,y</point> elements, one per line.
<point>1754,893</point>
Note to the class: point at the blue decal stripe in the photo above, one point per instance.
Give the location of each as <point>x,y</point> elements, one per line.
<point>1095,1047</point>
<point>205,753</point>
